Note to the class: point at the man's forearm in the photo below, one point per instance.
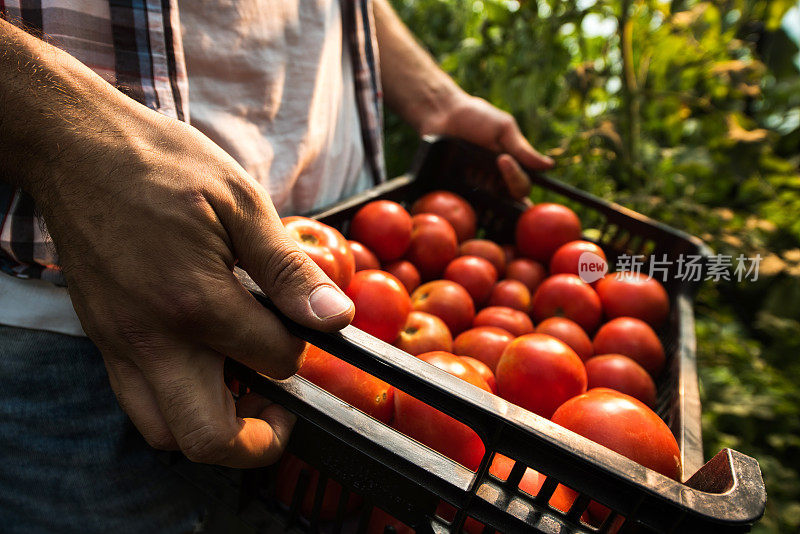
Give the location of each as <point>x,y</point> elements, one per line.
<point>55,112</point>
<point>413,84</point>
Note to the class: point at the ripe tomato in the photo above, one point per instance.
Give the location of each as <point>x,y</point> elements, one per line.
<point>384,227</point>
<point>446,300</point>
<point>509,319</point>
<point>484,343</point>
<point>632,338</point>
<point>474,274</point>
<point>433,245</point>
<point>365,258</point>
<point>371,395</point>
<point>620,373</point>
<point>405,271</point>
<point>422,333</point>
<point>455,209</point>
<point>629,294</point>
<point>484,371</point>
<point>545,227</point>
<point>488,250</point>
<point>624,425</point>
<point>566,295</point>
<point>289,472</point>
<point>325,245</point>
<point>511,294</point>
<point>539,372</point>
<point>529,272</point>
<point>570,333</point>
<point>566,258</point>
<point>436,429</point>
<point>382,303</point>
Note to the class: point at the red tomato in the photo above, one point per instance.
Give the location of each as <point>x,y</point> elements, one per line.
<point>364,257</point>
<point>451,207</point>
<point>565,259</point>
<point>570,333</point>
<point>539,372</point>
<point>446,300</point>
<point>545,227</point>
<point>566,295</point>
<point>620,373</point>
<point>384,227</point>
<point>474,274</point>
<point>509,319</point>
<point>484,343</point>
<point>634,295</point>
<point>488,250</point>
<point>433,245</point>
<point>624,425</point>
<point>382,303</point>
<point>529,272</point>
<point>325,245</point>
<point>632,338</point>
<point>405,271</point>
<point>511,294</point>
<point>289,472</point>
<point>422,333</point>
<point>484,371</point>
<point>371,395</point>
<point>436,429</point>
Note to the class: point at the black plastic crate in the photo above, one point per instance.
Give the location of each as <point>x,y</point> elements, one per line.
<point>408,480</point>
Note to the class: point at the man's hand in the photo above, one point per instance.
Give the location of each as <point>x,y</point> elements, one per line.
<point>420,92</point>
<point>477,121</point>
<point>149,217</point>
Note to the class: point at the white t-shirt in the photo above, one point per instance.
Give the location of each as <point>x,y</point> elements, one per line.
<point>270,82</point>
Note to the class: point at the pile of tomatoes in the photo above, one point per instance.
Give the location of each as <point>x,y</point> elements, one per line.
<point>515,320</point>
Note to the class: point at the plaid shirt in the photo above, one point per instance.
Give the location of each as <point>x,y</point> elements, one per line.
<point>136,45</point>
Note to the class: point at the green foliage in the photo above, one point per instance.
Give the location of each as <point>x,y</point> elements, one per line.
<point>688,112</point>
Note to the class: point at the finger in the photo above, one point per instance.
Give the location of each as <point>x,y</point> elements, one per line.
<point>226,318</point>
<point>279,419</point>
<point>513,142</point>
<point>201,414</point>
<point>286,274</point>
<point>136,398</point>
<point>251,404</point>
<point>519,185</point>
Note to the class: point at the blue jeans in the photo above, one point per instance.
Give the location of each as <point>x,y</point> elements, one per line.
<point>70,459</point>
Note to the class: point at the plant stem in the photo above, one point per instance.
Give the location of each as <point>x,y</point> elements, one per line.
<point>630,98</point>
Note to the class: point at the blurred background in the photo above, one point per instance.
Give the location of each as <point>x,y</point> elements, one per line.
<point>688,112</point>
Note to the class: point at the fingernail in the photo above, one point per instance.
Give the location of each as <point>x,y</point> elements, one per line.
<point>327,301</point>
<point>549,160</point>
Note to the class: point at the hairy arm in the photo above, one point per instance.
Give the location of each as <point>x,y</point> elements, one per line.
<point>149,217</point>
<point>413,84</point>
<point>428,99</point>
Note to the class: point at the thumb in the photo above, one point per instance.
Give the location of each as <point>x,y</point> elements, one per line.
<point>296,285</point>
